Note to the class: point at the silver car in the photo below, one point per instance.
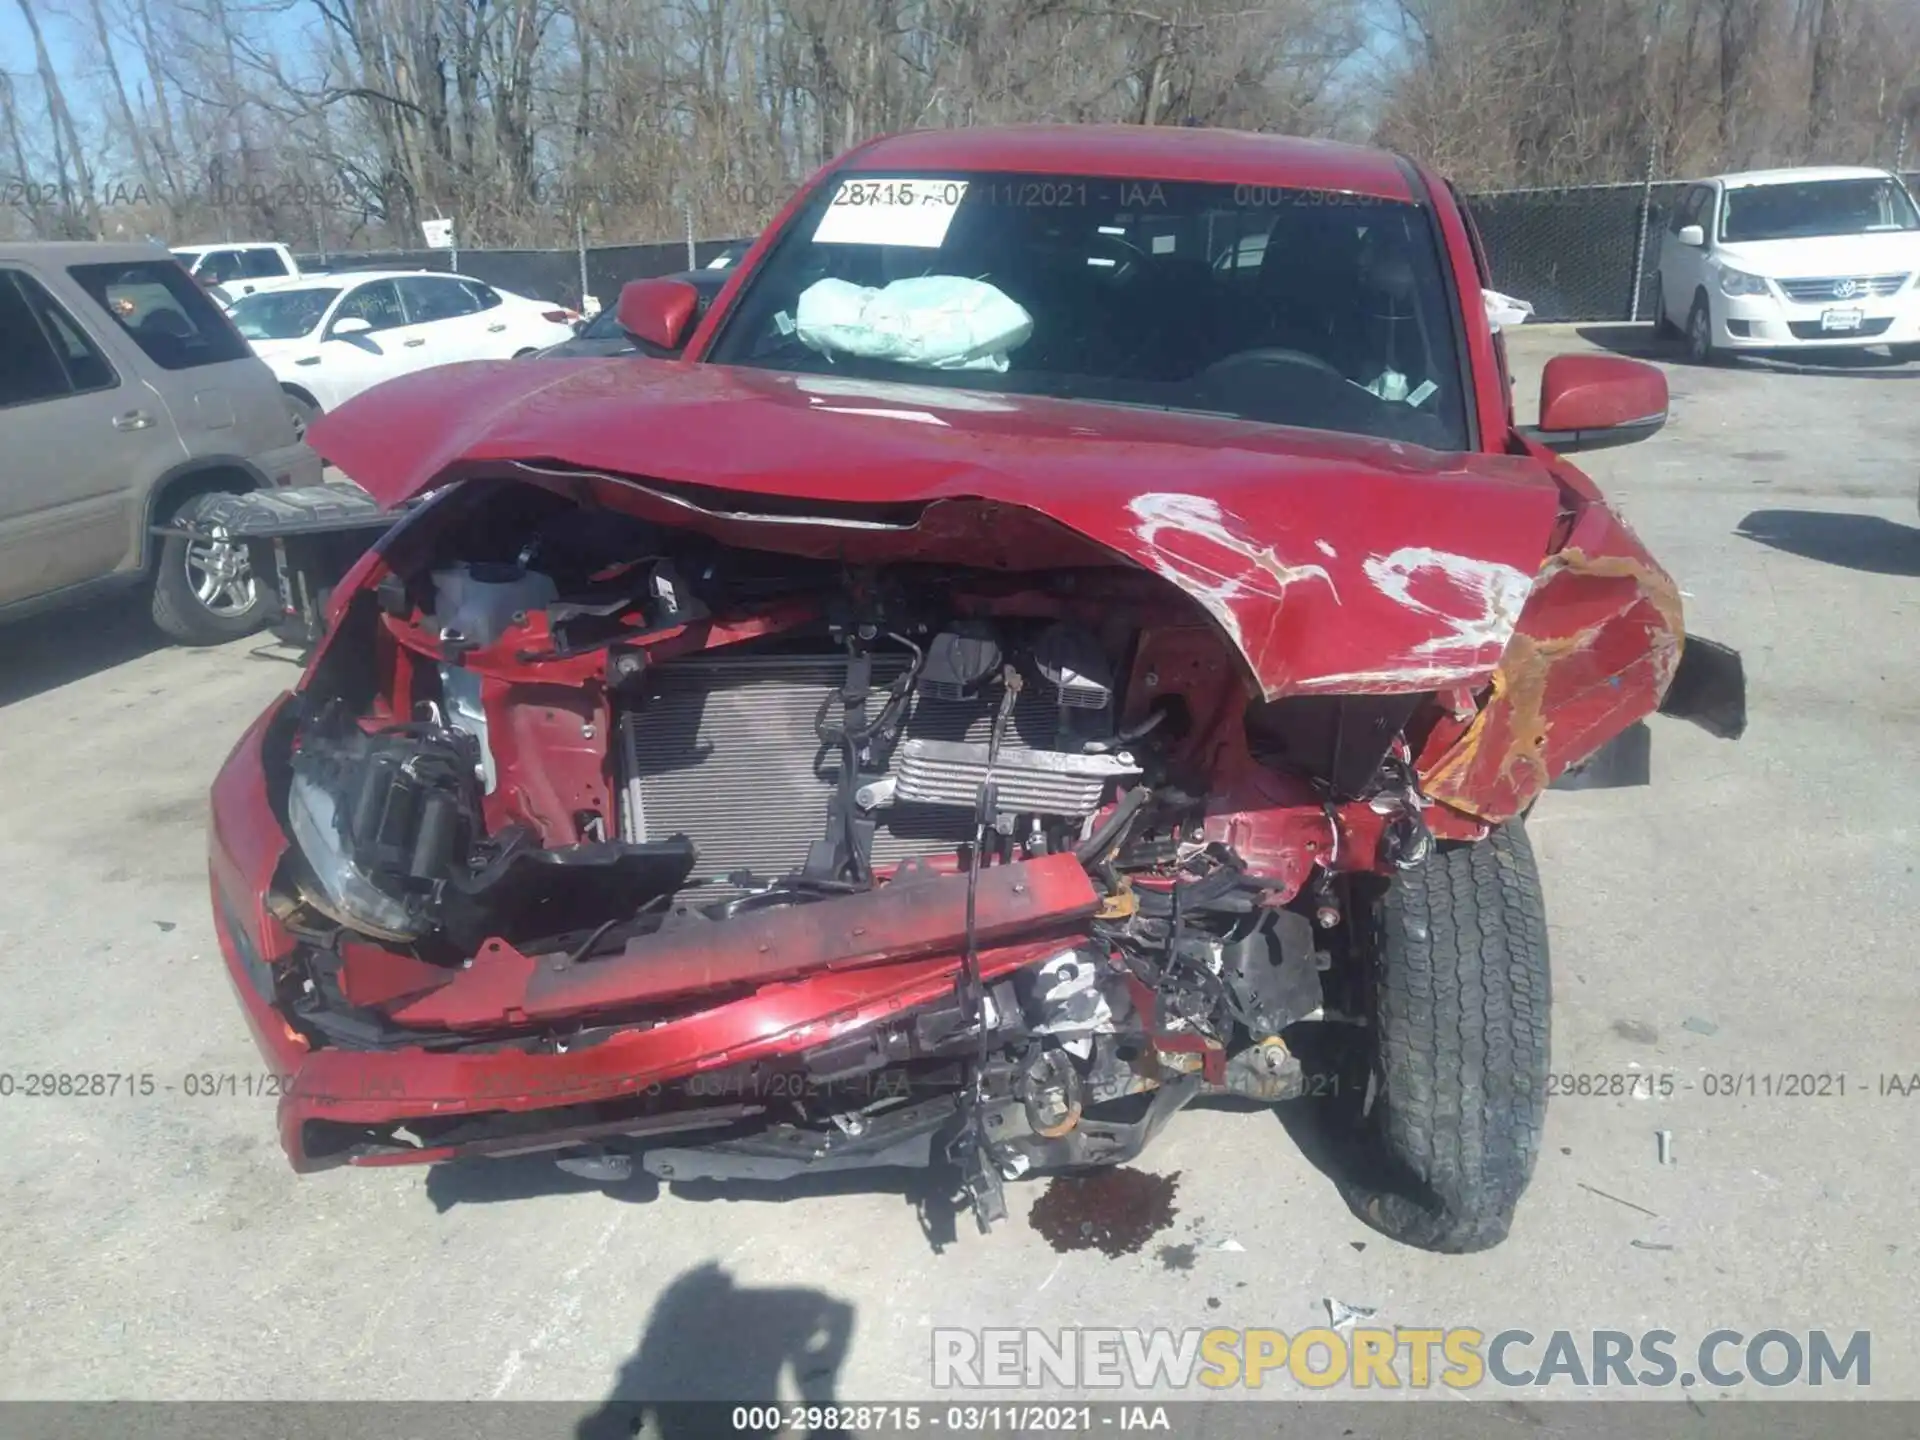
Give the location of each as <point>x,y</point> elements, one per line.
<point>127,399</point>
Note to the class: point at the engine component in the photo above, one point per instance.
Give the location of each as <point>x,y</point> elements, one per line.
<point>1049,1087</point>
<point>958,660</point>
<point>460,689</point>
<point>1027,782</point>
<point>1267,1072</point>
<point>475,603</point>
<point>1068,999</point>
<point>725,748</point>
<point>1071,660</point>
<point>1270,975</point>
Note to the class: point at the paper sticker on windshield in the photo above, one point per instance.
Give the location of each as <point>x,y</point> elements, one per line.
<point>891,212</point>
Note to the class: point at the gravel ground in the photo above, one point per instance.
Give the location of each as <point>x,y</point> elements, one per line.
<point>1741,917</point>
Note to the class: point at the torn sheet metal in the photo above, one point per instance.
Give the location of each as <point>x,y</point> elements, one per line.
<point>1595,650</point>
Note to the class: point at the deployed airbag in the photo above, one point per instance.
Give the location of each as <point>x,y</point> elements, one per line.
<point>941,322</point>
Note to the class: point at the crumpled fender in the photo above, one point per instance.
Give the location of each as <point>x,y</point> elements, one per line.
<point>1596,648</point>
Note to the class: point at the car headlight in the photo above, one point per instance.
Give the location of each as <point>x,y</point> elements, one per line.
<point>313,818</point>
<point>1738,282</point>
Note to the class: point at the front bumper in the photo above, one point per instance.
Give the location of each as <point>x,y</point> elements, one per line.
<point>1775,322</point>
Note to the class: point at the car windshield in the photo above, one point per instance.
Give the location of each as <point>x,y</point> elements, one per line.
<point>604,326</point>
<point>281,314</point>
<point>1817,207</point>
<point>1294,307</point>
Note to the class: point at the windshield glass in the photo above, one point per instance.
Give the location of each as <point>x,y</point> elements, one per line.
<point>1817,207</point>
<point>280,314</point>
<point>604,326</point>
<point>1293,307</point>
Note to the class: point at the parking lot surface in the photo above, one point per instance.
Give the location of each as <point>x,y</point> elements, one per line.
<point>1746,918</point>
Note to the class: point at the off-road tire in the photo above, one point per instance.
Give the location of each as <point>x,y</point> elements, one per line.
<point>1459,996</point>
<point>177,611</point>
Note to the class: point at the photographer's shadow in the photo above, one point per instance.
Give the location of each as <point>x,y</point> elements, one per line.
<point>712,1345</point>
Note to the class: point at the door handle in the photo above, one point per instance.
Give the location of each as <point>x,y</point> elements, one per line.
<point>496,329</point>
<point>133,420</point>
<point>411,343</point>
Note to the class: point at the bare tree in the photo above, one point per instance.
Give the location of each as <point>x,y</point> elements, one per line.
<point>70,159</point>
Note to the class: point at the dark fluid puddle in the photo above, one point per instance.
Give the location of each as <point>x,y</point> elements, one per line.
<point>1114,1211</point>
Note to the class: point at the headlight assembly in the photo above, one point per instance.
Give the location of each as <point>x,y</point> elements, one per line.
<point>355,900</point>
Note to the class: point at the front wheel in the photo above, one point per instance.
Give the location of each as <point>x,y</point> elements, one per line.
<point>205,591</point>
<point>1457,952</point>
<point>1700,346</point>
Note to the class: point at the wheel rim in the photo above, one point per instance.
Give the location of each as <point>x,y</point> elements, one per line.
<point>220,574</point>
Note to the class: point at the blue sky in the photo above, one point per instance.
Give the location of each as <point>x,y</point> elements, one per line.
<point>16,45</point>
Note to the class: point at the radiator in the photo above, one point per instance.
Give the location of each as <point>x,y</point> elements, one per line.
<point>723,750</point>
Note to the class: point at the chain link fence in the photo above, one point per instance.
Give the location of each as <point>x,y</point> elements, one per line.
<point>1572,252</point>
<point>1581,252</point>
<point>1576,252</point>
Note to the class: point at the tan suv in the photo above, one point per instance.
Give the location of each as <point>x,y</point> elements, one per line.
<point>127,399</point>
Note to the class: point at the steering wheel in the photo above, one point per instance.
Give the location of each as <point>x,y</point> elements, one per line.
<point>1272,355</point>
<point>1129,258</point>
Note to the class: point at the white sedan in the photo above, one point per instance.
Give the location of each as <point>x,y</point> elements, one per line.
<point>329,338</point>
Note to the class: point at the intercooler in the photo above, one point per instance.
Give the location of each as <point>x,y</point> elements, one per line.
<point>726,751</point>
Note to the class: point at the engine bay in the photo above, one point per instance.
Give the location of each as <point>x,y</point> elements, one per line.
<point>578,773</point>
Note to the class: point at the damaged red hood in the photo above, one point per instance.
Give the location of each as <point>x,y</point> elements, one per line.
<point>1332,563</point>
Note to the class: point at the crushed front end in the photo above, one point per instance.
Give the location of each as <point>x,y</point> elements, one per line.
<point>750,848</point>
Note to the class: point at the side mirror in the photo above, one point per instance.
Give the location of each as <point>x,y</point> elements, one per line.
<point>658,312</point>
<point>348,325</point>
<point>579,326</point>
<point>1593,402</point>
<point>1692,235</point>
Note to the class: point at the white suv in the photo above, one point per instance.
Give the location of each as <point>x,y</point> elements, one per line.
<point>1793,259</point>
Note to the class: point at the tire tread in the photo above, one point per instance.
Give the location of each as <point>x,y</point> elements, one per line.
<point>1462,989</point>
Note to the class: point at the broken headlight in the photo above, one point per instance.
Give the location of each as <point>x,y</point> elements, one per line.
<point>348,894</point>
<point>383,821</point>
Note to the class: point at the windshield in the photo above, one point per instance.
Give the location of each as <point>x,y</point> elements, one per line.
<point>1307,308</point>
<point>604,326</point>
<point>281,314</point>
<point>1817,207</point>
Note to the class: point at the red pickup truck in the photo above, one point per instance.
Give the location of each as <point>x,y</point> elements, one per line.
<point>1075,629</point>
